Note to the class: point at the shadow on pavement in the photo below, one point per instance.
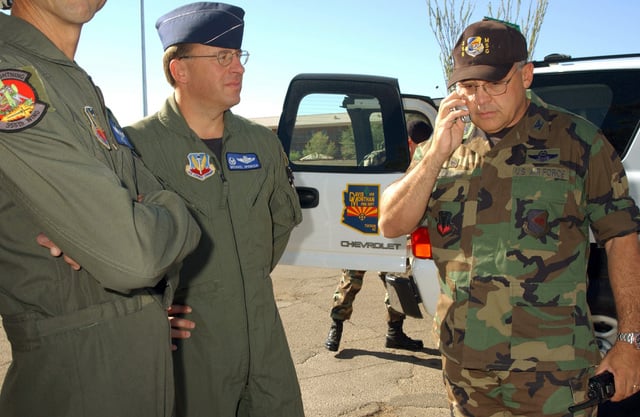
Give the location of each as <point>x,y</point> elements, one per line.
<point>390,356</point>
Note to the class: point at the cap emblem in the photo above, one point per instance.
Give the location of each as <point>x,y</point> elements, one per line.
<point>474,46</point>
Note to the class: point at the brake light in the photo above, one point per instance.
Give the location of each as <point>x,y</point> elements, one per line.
<point>421,243</point>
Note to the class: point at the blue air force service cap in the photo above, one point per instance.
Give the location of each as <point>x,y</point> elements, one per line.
<point>213,24</point>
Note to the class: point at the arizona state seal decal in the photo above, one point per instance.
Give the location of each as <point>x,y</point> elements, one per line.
<point>19,105</point>
<point>361,207</point>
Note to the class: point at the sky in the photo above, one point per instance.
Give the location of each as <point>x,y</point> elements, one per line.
<point>288,37</point>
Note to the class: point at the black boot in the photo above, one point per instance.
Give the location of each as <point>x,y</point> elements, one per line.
<point>335,333</point>
<point>397,339</point>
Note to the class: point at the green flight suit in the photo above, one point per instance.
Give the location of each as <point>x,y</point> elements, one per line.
<point>237,361</point>
<point>93,342</point>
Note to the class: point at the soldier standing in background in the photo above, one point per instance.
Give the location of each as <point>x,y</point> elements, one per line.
<point>351,282</point>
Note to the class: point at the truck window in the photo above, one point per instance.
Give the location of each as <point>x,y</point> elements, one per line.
<point>609,99</point>
<point>326,128</point>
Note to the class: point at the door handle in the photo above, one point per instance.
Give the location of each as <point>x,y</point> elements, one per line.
<point>308,197</point>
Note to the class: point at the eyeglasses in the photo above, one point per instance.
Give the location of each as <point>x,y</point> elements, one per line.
<point>494,88</point>
<point>224,57</point>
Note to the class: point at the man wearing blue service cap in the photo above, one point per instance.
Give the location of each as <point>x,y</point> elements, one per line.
<point>234,176</point>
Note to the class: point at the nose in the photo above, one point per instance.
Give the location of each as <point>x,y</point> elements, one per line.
<point>480,96</point>
<point>236,65</point>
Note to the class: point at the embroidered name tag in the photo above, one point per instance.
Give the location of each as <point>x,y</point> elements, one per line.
<point>242,161</point>
<point>121,137</point>
<point>545,172</point>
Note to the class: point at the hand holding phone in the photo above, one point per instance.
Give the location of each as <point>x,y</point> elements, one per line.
<point>466,118</point>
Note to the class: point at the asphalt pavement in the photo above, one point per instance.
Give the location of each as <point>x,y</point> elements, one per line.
<point>362,379</point>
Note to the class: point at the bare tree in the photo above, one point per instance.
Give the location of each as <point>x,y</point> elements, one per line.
<point>448,19</point>
<point>529,25</point>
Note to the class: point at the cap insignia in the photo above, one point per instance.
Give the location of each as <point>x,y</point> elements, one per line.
<point>475,46</point>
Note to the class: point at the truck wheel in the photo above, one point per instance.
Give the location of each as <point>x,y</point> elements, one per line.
<point>601,301</point>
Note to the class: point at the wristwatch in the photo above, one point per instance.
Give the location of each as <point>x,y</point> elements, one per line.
<point>633,338</point>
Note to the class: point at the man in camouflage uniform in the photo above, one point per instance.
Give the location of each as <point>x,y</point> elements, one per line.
<point>351,281</point>
<point>508,201</point>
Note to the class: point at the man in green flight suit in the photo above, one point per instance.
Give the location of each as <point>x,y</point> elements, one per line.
<point>233,174</point>
<point>91,340</point>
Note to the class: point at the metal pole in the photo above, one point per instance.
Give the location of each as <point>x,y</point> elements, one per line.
<point>144,61</point>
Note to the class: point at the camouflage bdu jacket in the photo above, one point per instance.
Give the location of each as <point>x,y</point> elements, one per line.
<point>509,225</point>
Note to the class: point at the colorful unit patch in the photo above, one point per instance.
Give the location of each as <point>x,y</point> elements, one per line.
<point>361,207</point>
<point>199,166</point>
<point>98,131</point>
<point>444,223</point>
<point>19,105</point>
<point>242,161</point>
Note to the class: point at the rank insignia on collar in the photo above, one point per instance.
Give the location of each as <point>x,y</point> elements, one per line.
<point>199,166</point>
<point>19,105</point>
<point>98,131</point>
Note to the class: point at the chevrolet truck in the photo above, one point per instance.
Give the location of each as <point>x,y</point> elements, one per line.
<point>332,123</point>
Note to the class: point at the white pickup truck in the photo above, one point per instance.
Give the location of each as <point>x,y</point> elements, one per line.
<point>331,122</point>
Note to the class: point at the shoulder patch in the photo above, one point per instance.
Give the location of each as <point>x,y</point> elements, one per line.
<point>19,104</point>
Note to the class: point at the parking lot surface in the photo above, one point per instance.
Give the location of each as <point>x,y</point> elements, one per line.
<point>362,379</point>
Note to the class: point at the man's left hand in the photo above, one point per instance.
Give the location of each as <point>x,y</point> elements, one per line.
<point>623,361</point>
<point>55,251</point>
<point>180,327</point>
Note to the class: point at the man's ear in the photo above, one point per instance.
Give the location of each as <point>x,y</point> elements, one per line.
<point>178,70</point>
<point>527,74</point>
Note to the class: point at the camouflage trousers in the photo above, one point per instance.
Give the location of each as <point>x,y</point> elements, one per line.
<point>346,291</point>
<point>479,393</point>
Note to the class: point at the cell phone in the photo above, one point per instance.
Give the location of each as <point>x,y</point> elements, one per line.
<point>466,118</point>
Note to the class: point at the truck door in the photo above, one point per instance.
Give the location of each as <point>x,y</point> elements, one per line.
<point>346,139</point>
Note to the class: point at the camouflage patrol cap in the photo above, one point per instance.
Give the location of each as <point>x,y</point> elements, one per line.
<point>486,51</point>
